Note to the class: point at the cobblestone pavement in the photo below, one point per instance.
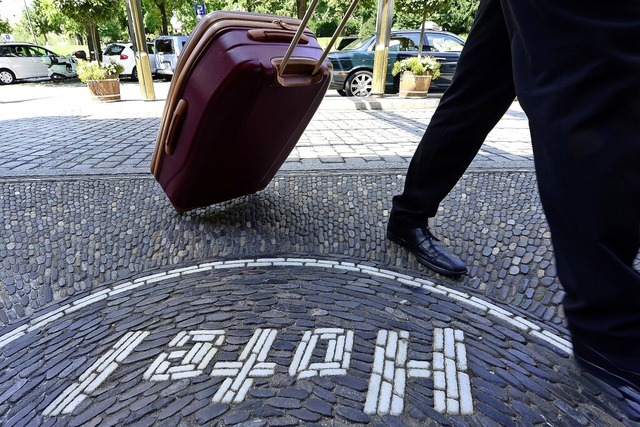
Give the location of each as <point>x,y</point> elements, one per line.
<point>286,307</point>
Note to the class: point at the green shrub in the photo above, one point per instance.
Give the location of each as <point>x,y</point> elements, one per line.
<point>418,66</point>
<point>98,71</point>
<point>324,28</point>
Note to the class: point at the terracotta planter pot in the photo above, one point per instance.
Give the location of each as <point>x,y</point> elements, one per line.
<point>412,86</point>
<point>104,90</point>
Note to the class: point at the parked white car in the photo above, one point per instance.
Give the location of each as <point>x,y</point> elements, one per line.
<point>124,54</point>
<point>20,61</point>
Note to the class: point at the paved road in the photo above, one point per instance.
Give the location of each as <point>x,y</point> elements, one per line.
<point>86,137</point>
<point>287,307</point>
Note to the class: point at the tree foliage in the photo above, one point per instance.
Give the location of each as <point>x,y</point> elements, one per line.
<point>88,11</point>
<point>46,18</point>
<point>5,27</point>
<point>186,12</point>
<point>73,16</point>
<point>452,15</point>
<point>329,13</point>
<point>165,9</point>
<point>458,16</point>
<point>4,24</point>
<point>409,13</point>
<point>152,20</point>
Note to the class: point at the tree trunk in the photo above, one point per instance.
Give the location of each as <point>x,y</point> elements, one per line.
<point>93,41</point>
<point>301,5</point>
<point>165,20</point>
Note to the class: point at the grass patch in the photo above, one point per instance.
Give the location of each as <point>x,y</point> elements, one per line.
<point>68,49</point>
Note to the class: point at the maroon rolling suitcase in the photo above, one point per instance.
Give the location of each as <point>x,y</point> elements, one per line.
<point>234,113</point>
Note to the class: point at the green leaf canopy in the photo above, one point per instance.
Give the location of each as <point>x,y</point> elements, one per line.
<point>88,11</point>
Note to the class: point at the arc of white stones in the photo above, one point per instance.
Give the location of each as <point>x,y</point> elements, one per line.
<point>95,375</point>
<point>251,364</point>
<point>204,344</point>
<point>337,357</point>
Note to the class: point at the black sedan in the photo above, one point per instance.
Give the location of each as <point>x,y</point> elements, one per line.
<point>353,66</point>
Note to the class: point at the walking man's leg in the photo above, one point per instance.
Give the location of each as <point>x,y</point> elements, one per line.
<point>481,92</point>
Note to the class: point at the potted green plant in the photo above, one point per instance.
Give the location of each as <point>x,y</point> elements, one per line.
<point>416,73</point>
<point>101,79</point>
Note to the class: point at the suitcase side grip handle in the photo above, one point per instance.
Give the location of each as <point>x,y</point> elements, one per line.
<point>260,34</point>
<point>174,126</point>
<point>297,74</point>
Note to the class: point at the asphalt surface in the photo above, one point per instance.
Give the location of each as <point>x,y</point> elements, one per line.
<point>285,307</point>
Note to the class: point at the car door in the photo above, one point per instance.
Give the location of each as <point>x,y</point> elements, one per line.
<point>22,63</point>
<point>41,59</point>
<point>9,60</point>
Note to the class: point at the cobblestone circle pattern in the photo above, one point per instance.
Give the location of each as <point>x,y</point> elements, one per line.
<point>136,354</point>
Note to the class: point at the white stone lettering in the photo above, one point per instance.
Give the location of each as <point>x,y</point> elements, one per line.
<point>337,356</point>
<point>452,387</point>
<point>251,364</point>
<point>194,351</point>
<point>190,352</point>
<point>95,375</point>
<point>391,369</point>
<point>390,372</point>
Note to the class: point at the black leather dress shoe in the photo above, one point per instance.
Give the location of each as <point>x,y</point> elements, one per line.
<point>613,369</point>
<point>427,249</point>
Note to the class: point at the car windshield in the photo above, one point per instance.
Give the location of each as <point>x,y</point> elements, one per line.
<point>356,44</point>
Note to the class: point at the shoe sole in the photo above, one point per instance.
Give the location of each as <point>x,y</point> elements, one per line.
<point>400,241</point>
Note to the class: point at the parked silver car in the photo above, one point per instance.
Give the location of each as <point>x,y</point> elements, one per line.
<point>20,61</point>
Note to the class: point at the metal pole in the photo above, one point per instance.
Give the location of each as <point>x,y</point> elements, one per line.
<point>381,56</point>
<point>136,32</point>
<point>26,9</point>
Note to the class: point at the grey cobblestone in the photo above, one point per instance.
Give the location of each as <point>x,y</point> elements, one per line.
<point>83,216</point>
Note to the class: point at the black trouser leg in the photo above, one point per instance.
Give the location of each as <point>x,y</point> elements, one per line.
<point>481,92</point>
<point>577,68</point>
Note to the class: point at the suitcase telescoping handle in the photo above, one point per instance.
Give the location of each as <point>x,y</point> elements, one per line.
<point>298,35</point>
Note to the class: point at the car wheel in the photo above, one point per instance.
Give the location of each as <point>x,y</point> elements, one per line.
<point>342,93</point>
<point>359,83</point>
<point>7,77</point>
<point>134,74</point>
